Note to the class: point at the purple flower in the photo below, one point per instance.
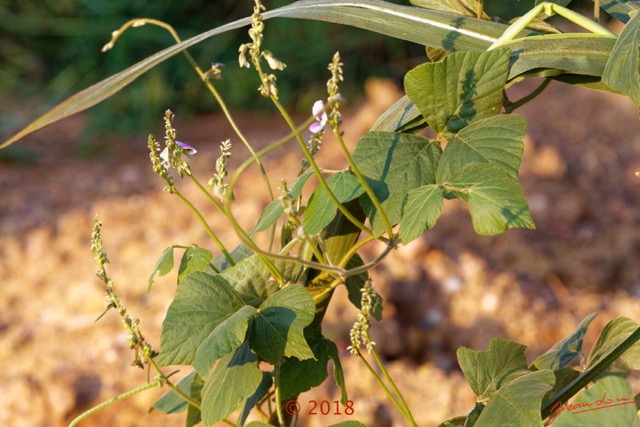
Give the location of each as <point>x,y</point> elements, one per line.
<point>321,118</point>
<point>187,149</point>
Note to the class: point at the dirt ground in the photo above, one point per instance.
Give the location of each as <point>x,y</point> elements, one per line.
<point>450,288</point>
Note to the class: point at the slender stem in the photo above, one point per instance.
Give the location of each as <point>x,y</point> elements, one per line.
<point>278,395</point>
<point>374,353</point>
<point>511,106</point>
<point>363,181</point>
<point>208,229</point>
<point>118,398</point>
<point>172,386</point>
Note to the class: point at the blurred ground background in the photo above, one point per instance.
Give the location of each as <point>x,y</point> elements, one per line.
<point>450,288</point>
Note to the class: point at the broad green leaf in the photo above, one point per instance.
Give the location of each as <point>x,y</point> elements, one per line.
<point>261,391</point>
<point>495,200</point>
<point>464,87</point>
<point>231,382</point>
<point>241,252</point>
<point>194,416</point>
<point>278,327</point>
<point>611,336</point>
<point>226,337</point>
<point>194,259</point>
<point>250,278</point>
<point>350,423</point>
<point>564,376</point>
<point>321,209</point>
<point>354,286</point>
<point>566,350</point>
<point>170,402</point>
<point>163,266</point>
<point>275,209</point>
<point>488,370</point>
<point>497,140</point>
<point>298,376</point>
<point>621,72</point>
<point>393,165</point>
<point>431,28</point>
<point>517,403</point>
<point>201,303</point>
<point>421,211</point>
<point>609,402</point>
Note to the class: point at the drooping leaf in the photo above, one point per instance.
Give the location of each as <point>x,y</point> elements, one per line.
<point>421,211</point>
<point>566,350</point>
<point>487,370</point>
<point>225,338</point>
<point>497,140</point>
<point>464,87</point>
<point>354,286</point>
<point>170,402</point>
<point>194,259</point>
<point>278,327</point>
<point>275,209</point>
<point>495,200</point>
<point>261,391</point>
<point>517,403</point>
<point>298,376</point>
<point>163,266</point>
<point>321,209</point>
<point>338,373</point>
<point>233,380</point>
<point>393,165</point>
<point>614,333</point>
<point>609,402</point>
<point>621,72</point>
<point>201,303</point>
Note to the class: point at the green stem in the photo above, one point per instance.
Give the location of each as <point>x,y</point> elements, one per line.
<point>118,398</point>
<point>511,106</point>
<point>406,411</point>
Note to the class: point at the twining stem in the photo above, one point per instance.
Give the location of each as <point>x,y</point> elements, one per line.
<point>510,106</point>
<point>118,398</point>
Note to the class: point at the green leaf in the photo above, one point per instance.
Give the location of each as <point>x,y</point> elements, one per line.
<point>517,403</point>
<point>621,72</point>
<point>241,252</point>
<point>163,266</point>
<point>611,336</point>
<point>423,207</point>
<point>609,402</point>
<point>497,140</point>
<point>194,416</point>
<point>261,391</point>
<point>231,382</point>
<point>620,9</point>
<point>350,423</point>
<point>226,337</point>
<point>566,350</point>
<point>321,209</point>
<point>495,200</point>
<point>250,278</point>
<point>354,286</point>
<point>170,402</point>
<point>201,303</point>
<point>393,165</point>
<point>338,373</point>
<point>402,116</point>
<point>298,376</point>
<point>460,7</point>
<point>279,324</point>
<point>564,376</point>
<point>488,370</point>
<point>194,259</point>
<point>464,87</point>
<point>275,209</point>
<point>258,424</point>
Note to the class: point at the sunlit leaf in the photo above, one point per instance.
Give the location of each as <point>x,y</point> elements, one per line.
<point>621,72</point>
<point>566,350</point>
<point>614,333</point>
<point>194,259</point>
<point>421,211</point>
<point>231,382</point>
<point>464,87</point>
<point>163,266</point>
